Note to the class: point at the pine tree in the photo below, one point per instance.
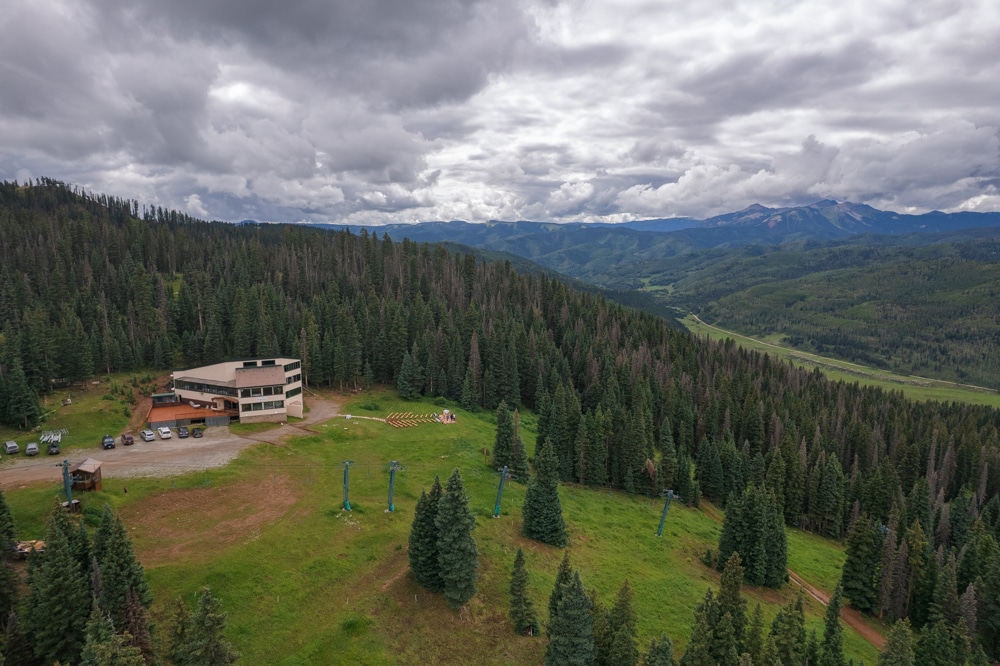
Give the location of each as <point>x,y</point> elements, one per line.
<point>861,565</point>
<point>8,530</point>
<point>571,637</point>
<point>458,555</point>
<point>602,630</point>
<point>898,650</point>
<point>59,601</point>
<point>542,510</point>
<point>753,638</point>
<point>935,646</point>
<point>522,609</point>
<point>724,642</point>
<point>503,444</point>
<point>120,573</point>
<point>197,638</point>
<point>423,550</point>
<point>731,599</point>
<point>519,457</point>
<point>103,647</point>
<point>699,649</point>
<point>409,380</point>
<point>622,622</point>
<point>832,651</point>
<point>788,632</point>
<point>563,575</point>
<point>754,528</point>
<point>661,652</point>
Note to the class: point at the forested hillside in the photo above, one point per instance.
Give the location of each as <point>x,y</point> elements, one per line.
<point>91,285</point>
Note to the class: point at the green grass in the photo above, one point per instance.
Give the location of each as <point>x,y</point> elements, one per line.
<point>914,388</point>
<point>88,418</point>
<point>312,580</point>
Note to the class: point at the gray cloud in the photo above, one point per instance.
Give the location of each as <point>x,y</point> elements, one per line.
<point>467,109</point>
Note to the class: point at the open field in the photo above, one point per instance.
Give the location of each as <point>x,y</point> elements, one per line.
<point>305,582</point>
<point>914,388</point>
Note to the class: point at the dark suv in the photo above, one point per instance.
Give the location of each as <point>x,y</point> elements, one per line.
<point>108,442</point>
<point>128,439</point>
<point>182,431</point>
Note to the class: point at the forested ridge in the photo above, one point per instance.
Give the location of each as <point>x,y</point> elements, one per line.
<point>91,284</point>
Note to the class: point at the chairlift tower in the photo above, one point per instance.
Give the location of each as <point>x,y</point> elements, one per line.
<point>347,468</point>
<point>394,466</point>
<point>663,516</point>
<point>503,477</point>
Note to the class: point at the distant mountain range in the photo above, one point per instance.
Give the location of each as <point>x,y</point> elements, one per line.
<point>756,224</point>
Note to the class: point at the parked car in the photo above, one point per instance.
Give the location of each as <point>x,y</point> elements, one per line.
<point>31,449</point>
<point>128,439</point>
<point>53,448</point>
<point>108,442</point>
<point>147,435</point>
<point>10,447</point>
<point>164,432</point>
<point>182,431</point>
<point>197,432</point>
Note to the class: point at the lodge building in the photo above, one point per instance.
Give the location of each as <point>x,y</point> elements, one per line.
<point>248,391</point>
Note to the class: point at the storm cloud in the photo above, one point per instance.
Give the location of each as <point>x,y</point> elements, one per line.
<point>401,111</point>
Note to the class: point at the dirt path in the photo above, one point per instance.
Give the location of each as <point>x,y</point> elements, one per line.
<point>849,616</point>
<point>166,457</point>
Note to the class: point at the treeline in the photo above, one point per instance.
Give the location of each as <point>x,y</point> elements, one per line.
<point>88,287</point>
<point>84,600</point>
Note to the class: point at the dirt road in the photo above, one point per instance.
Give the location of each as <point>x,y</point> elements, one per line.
<point>162,457</point>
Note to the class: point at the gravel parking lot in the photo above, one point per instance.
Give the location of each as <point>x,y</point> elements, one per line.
<point>159,457</point>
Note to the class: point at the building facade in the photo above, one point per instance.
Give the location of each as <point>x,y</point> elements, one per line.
<point>264,389</point>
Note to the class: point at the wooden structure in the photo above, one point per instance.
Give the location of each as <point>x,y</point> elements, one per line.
<point>86,475</point>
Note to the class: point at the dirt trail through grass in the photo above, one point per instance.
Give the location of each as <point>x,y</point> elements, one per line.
<point>850,616</point>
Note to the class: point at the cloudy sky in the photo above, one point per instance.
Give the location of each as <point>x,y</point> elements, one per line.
<point>369,111</point>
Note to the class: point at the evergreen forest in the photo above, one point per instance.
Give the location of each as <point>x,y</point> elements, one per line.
<point>91,284</point>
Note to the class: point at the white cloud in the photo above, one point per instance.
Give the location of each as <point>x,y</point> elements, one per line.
<point>545,109</point>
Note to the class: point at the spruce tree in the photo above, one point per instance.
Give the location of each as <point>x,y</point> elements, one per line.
<point>571,637</point>
<point>699,649</point>
<point>898,650</point>
<point>121,572</point>
<point>788,632</point>
<point>622,622</point>
<point>198,639</point>
<point>660,653</point>
<point>59,602</point>
<point>563,575</point>
<point>503,444</point>
<point>103,647</point>
<point>753,527</point>
<point>542,510</point>
<point>731,598</point>
<point>8,530</point>
<point>522,609</point>
<point>723,647</point>
<point>423,544</point>
<point>861,565</point>
<point>832,651</point>
<point>458,555</point>
<point>602,630</point>
<point>519,456</point>
<point>753,637</point>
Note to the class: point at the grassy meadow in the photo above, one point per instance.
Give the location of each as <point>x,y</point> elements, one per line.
<point>914,388</point>
<point>305,582</point>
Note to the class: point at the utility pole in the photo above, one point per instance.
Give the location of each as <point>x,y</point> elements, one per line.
<point>503,477</point>
<point>663,516</point>
<point>347,467</point>
<point>67,482</point>
<point>393,467</point>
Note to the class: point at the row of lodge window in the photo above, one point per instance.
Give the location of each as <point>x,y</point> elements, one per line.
<point>261,406</point>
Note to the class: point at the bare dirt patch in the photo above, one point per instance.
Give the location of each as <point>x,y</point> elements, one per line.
<point>198,523</point>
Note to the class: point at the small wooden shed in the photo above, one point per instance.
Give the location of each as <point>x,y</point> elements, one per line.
<point>86,475</point>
